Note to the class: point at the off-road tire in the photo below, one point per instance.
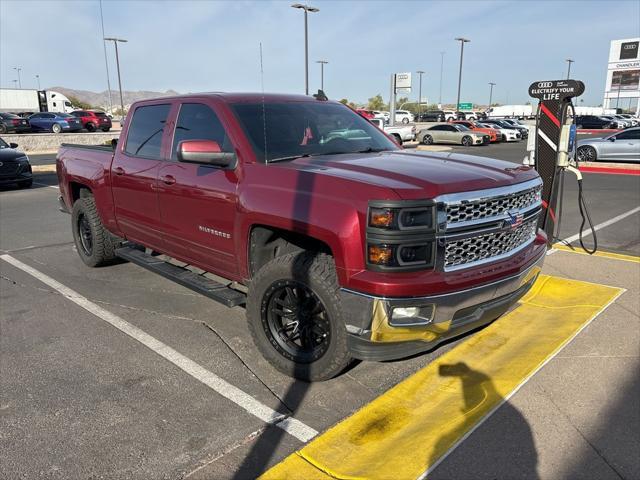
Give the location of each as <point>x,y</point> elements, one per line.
<point>103,242</point>
<point>316,271</point>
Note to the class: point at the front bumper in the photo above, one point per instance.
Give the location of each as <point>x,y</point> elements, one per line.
<point>454,314</point>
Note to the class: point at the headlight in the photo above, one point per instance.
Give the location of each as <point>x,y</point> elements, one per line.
<point>400,235</point>
<point>23,159</point>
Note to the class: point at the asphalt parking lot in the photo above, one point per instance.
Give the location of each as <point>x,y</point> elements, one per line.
<point>82,399</point>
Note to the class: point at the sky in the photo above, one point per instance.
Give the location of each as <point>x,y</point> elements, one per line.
<point>203,45</point>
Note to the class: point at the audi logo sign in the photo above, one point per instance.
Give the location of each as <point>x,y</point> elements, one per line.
<point>628,50</point>
<point>545,84</point>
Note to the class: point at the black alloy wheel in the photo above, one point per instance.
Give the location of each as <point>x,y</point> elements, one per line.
<point>85,234</point>
<point>296,322</point>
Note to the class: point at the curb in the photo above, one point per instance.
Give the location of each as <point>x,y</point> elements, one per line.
<point>432,148</point>
<point>43,168</point>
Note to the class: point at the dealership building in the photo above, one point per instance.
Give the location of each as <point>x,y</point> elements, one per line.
<point>623,76</point>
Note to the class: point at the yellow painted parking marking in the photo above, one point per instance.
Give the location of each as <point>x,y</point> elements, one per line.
<point>614,256</point>
<point>408,430</point>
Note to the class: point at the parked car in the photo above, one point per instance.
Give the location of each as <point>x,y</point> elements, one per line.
<point>523,129</point>
<point>385,116</point>
<point>323,227</point>
<point>432,116</point>
<point>54,122</point>
<point>506,134</point>
<point>593,122</point>
<point>623,146</point>
<point>494,135</point>
<point>14,166</point>
<point>504,124</point>
<point>452,133</point>
<point>368,114</point>
<point>472,115</point>
<point>404,116</point>
<point>634,121</point>
<point>13,123</point>
<point>616,122</point>
<point>450,116</point>
<point>93,120</point>
<point>400,133</point>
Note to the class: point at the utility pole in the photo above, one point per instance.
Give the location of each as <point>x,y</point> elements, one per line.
<point>462,41</point>
<point>322,64</point>
<point>569,61</point>
<point>306,9</point>
<point>420,72</point>
<point>491,93</point>
<point>38,78</point>
<point>115,43</point>
<point>18,69</point>
<point>441,70</point>
<point>106,63</point>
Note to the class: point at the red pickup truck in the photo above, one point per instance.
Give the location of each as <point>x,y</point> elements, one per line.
<point>339,243</point>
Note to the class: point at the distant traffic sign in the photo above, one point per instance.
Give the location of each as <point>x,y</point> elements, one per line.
<point>465,106</point>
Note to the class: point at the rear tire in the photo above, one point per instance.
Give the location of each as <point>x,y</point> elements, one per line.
<point>90,127</point>
<point>56,128</point>
<point>95,245</point>
<point>300,284</point>
<point>405,120</point>
<point>106,129</point>
<point>397,138</point>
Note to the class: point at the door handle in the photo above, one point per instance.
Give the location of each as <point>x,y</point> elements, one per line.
<point>168,180</point>
<point>118,171</point>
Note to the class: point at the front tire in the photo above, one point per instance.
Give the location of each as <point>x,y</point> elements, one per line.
<point>467,141</point>
<point>3,128</point>
<point>295,316</point>
<point>587,154</point>
<point>25,183</point>
<point>427,140</point>
<point>95,245</point>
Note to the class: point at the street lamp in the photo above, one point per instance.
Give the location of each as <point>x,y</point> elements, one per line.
<point>15,83</point>
<point>462,41</point>
<point>306,9</point>
<point>18,69</point>
<point>38,79</point>
<point>106,63</point>
<point>441,70</point>
<point>569,61</point>
<point>420,72</point>
<point>115,43</point>
<point>322,64</point>
<point>491,93</point>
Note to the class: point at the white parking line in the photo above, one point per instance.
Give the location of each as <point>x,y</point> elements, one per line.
<point>586,233</point>
<point>45,185</point>
<point>294,427</point>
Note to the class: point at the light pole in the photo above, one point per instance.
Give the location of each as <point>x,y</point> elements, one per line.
<point>306,9</point>
<point>115,43</point>
<point>15,83</point>
<point>441,70</point>
<point>106,63</point>
<point>38,79</point>
<point>491,93</point>
<point>18,69</point>
<point>569,61</point>
<point>462,41</point>
<point>420,72</point>
<point>322,64</point>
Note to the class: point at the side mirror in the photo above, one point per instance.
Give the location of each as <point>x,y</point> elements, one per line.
<point>612,139</point>
<point>114,143</point>
<point>206,152</point>
<point>13,145</point>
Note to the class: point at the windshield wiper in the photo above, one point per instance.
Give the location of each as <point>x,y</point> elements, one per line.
<point>286,159</point>
<point>371,150</point>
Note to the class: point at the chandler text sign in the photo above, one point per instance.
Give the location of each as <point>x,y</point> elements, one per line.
<point>557,90</point>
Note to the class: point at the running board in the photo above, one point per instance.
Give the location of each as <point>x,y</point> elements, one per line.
<point>203,285</point>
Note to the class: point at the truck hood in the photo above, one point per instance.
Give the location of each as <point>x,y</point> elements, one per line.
<point>417,175</point>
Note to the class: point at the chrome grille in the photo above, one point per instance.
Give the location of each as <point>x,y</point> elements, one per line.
<point>470,250</point>
<point>493,207</point>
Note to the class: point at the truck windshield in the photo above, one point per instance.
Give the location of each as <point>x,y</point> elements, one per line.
<point>290,130</point>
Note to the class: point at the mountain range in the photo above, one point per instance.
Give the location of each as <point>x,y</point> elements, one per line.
<point>101,99</point>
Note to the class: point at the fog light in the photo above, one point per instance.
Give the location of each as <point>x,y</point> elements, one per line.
<point>411,316</point>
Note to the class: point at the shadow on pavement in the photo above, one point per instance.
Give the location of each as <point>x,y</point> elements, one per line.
<point>511,454</point>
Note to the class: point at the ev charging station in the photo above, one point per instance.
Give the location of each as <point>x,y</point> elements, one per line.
<point>552,149</point>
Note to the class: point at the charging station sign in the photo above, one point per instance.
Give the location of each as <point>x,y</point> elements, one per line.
<point>556,90</point>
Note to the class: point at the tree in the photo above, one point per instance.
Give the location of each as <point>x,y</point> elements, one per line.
<point>344,101</point>
<point>376,103</point>
<point>79,103</point>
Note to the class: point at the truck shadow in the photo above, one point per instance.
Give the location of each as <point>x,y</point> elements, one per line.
<point>503,448</point>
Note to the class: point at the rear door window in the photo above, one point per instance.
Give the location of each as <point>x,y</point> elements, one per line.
<point>145,132</point>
